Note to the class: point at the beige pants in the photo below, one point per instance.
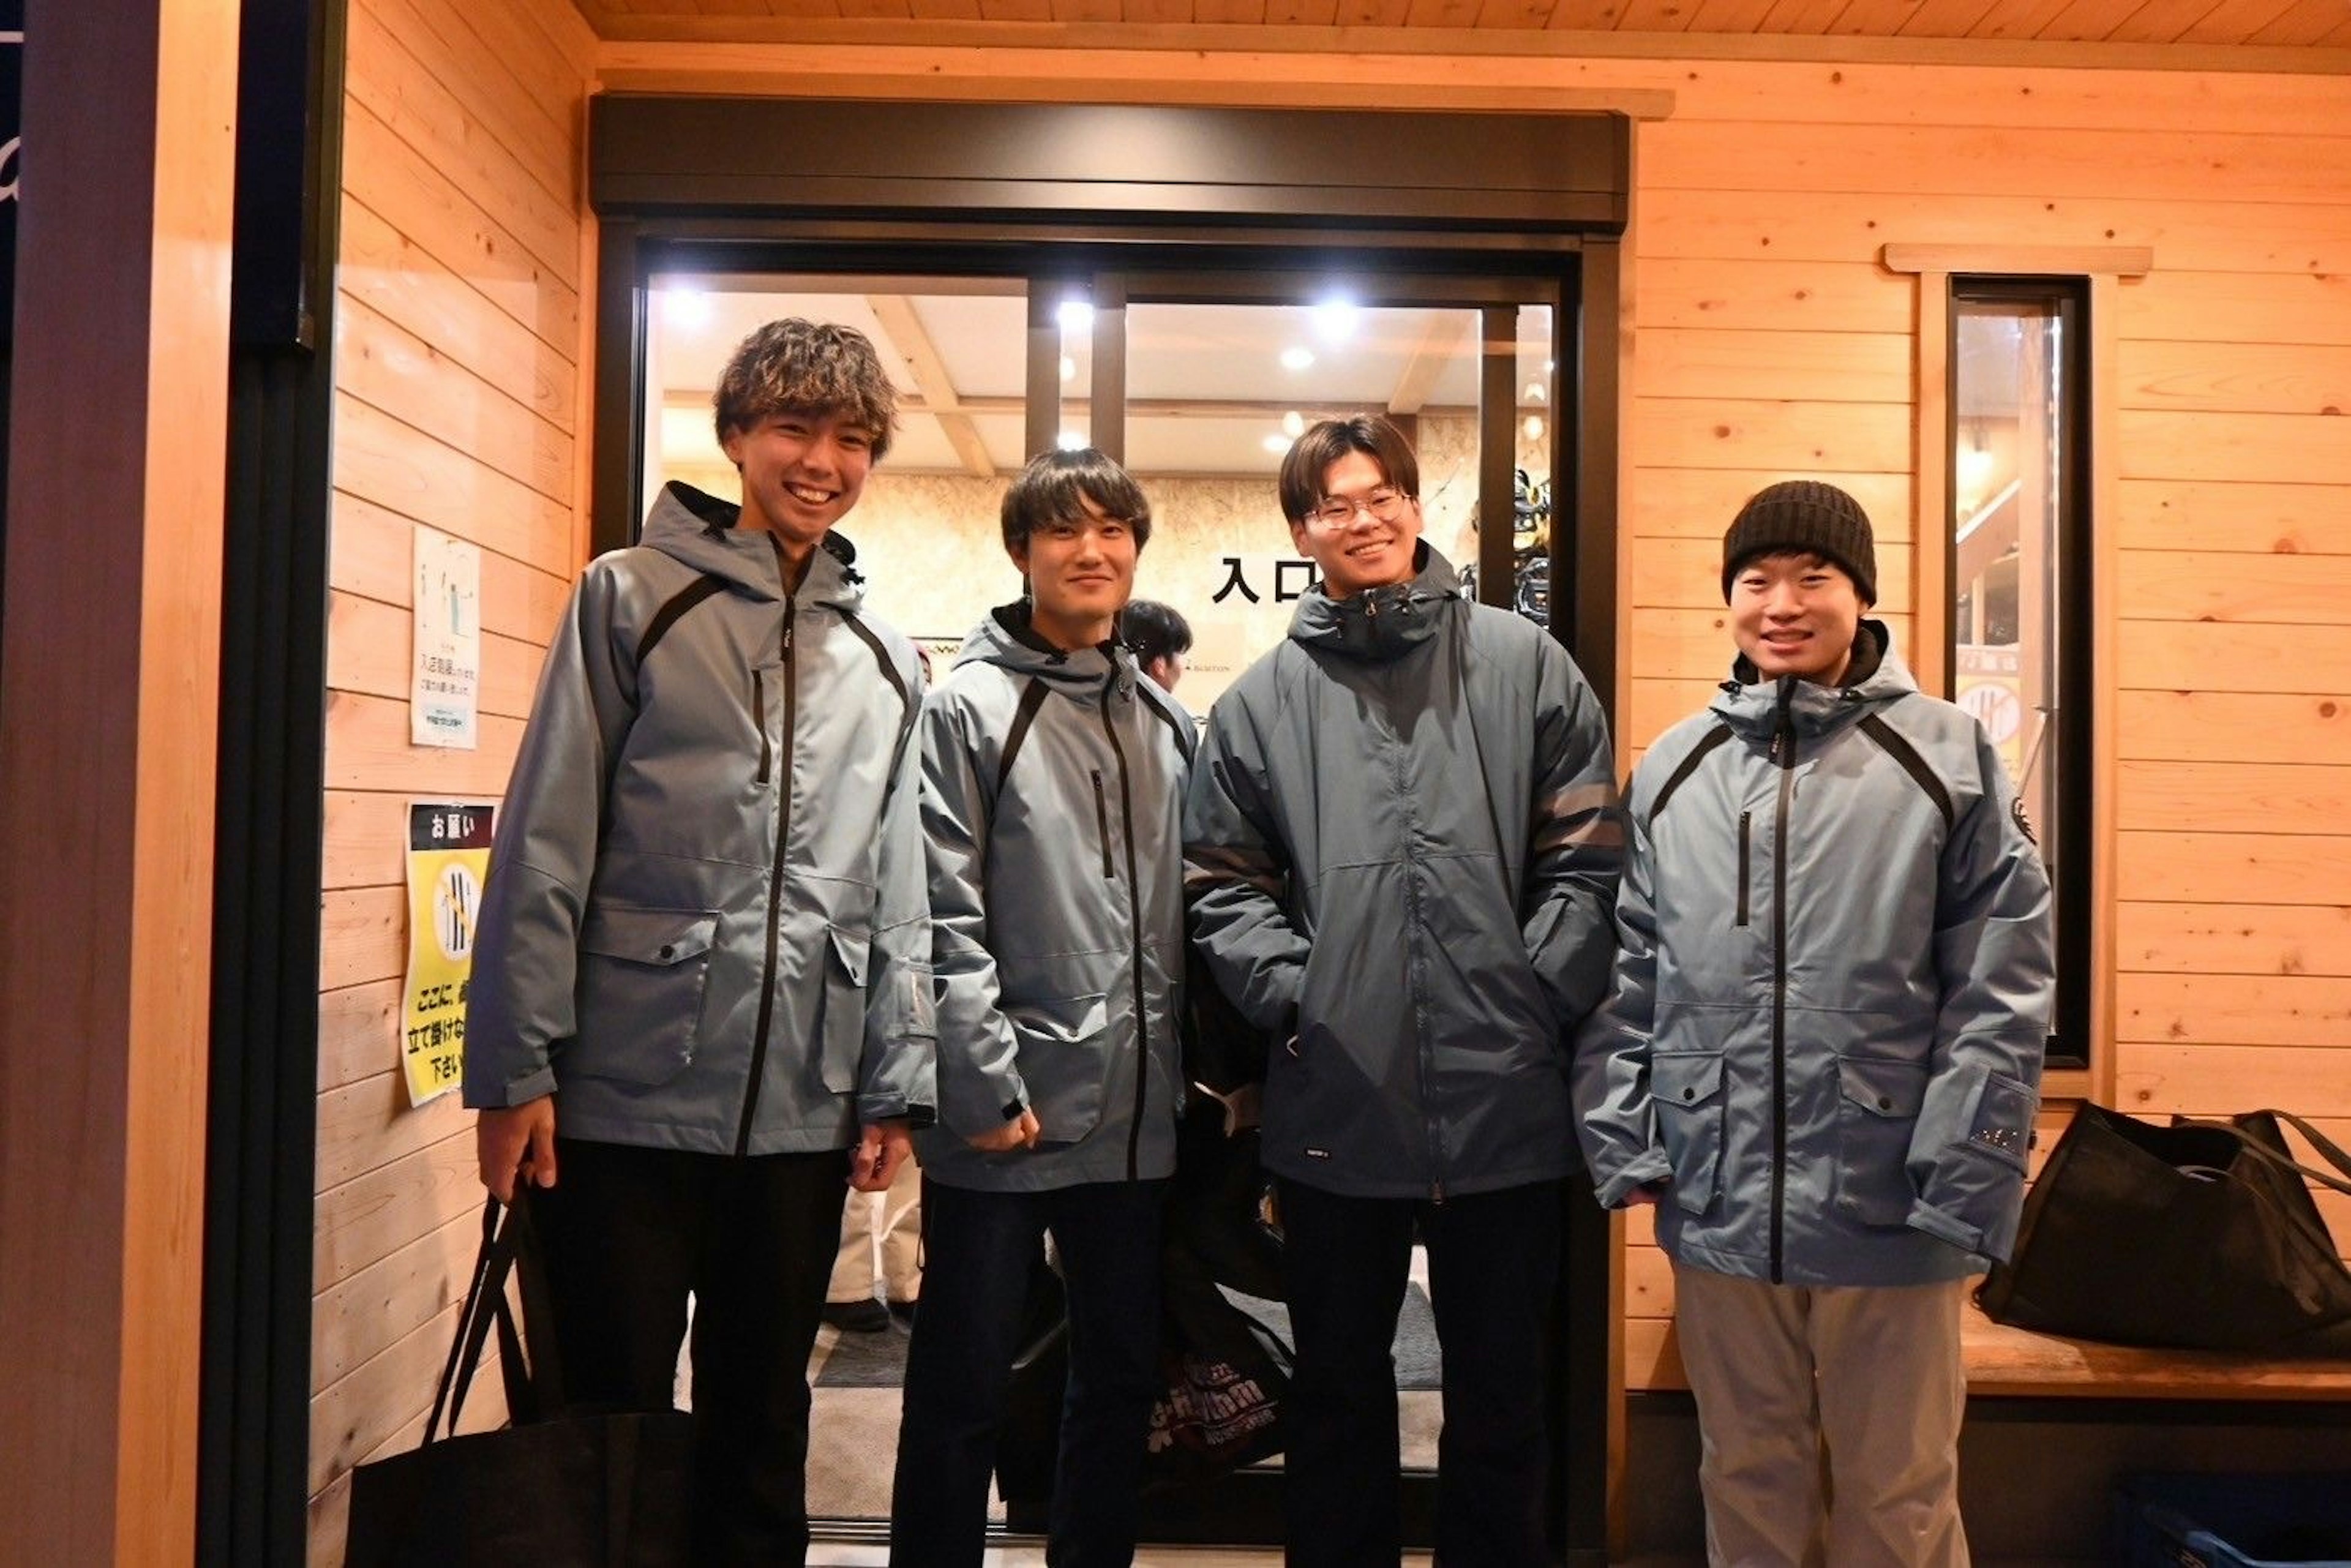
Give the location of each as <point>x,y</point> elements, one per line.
<point>1828,1420</point>
<point>883,1226</point>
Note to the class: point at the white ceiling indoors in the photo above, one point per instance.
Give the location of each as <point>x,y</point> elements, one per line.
<point>1209,387</point>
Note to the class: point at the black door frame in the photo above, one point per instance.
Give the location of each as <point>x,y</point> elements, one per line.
<point>1116,194</point>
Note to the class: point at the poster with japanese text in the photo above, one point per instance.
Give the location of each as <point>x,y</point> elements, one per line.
<point>445,688</point>
<point>448,858</point>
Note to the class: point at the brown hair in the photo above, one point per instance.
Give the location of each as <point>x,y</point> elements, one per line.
<point>1048,491</point>
<point>794,366</point>
<point>1326,442</point>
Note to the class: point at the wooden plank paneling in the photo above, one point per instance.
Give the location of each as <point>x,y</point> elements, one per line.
<point>2312,1011</point>
<point>2154,446</point>
<point>2235,727</point>
<point>2234,938</point>
<point>1699,503</point>
<point>2274,589</point>
<point>460,363</point>
<point>1830,367</point>
<point>1824,439</point>
<point>1771,296</point>
<point>2200,866</point>
<point>2221,1079</point>
<point>2228,656</point>
<point>2260,516</point>
<point>2232,797</point>
<point>2236,378</point>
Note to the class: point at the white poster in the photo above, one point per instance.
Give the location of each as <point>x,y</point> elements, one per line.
<point>445,687</point>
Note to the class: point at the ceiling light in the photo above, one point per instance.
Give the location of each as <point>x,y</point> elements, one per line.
<point>1549,366</point>
<point>1277,444</point>
<point>1293,424</point>
<point>1534,392</point>
<point>1334,319</point>
<point>1070,441</point>
<point>1076,317</point>
<point>1297,357</point>
<point>1068,369</point>
<point>687,307</point>
<point>1535,427</point>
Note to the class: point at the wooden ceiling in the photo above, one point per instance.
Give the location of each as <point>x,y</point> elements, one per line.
<point>2207,24</point>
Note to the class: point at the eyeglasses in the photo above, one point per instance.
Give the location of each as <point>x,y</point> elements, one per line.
<point>1337,511</point>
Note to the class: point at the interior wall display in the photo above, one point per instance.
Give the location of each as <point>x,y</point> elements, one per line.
<point>448,860</point>
<point>444,686</point>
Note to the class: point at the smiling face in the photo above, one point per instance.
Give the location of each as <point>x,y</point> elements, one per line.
<point>801,474</point>
<point>1080,572</point>
<point>1795,614</point>
<point>1362,533</point>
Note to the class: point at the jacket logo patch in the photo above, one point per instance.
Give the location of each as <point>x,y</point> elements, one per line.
<point>2023,823</point>
<point>1318,1154</point>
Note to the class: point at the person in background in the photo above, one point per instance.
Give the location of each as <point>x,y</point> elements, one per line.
<point>878,1273</point>
<point>1822,1051</point>
<point>702,979</point>
<point>1159,638</point>
<point>1052,796</point>
<point>1401,845</point>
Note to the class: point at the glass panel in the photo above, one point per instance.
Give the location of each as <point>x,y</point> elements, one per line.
<point>1530,509</point>
<point>2008,456</point>
<point>1216,393</point>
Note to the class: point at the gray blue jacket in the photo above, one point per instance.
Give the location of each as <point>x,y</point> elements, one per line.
<point>705,925</point>
<point>1052,802</point>
<point>1827,1030</point>
<point>1401,842</point>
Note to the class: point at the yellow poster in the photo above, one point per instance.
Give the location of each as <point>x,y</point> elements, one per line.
<point>449,857</point>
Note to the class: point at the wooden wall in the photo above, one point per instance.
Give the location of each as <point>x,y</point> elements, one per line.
<point>461,375</point>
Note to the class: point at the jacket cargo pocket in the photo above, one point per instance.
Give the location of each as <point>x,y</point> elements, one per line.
<point>1687,1088</point>
<point>1061,1043</point>
<point>1878,1110</point>
<point>642,973</point>
<point>844,1009</point>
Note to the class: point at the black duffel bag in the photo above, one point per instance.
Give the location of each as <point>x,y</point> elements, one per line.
<point>2201,1235</point>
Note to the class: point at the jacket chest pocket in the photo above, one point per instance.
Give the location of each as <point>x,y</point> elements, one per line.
<point>844,1008</point>
<point>1687,1090</point>
<point>1878,1099</point>
<point>642,973</point>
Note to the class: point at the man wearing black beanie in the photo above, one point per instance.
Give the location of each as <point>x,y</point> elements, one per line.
<point>1821,1054</point>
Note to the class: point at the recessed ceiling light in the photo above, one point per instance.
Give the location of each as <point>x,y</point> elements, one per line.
<point>688,308</point>
<point>1293,424</point>
<point>1297,357</point>
<point>1068,369</point>
<point>1076,316</point>
<point>1535,427</point>
<point>1534,392</point>
<point>1070,441</point>
<point>1334,319</point>
<point>1277,444</point>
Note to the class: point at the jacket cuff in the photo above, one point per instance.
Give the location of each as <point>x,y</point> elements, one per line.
<point>873,1108</point>
<point>1967,1238</point>
<point>1618,1188</point>
<point>519,1092</point>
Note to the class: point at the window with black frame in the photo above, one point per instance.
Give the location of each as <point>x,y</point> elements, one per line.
<point>2019,585</point>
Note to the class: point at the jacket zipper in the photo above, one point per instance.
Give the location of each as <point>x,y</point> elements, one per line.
<point>1746,819</point>
<point>1784,752</point>
<point>1101,811</point>
<point>759,714</point>
<point>775,878</point>
<point>1133,926</point>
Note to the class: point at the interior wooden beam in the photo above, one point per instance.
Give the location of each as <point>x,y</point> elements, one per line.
<point>934,382</point>
<point>1440,340</point>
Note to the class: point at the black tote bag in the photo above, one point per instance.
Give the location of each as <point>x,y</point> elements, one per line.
<point>558,1489</point>
<point>2198,1235</point>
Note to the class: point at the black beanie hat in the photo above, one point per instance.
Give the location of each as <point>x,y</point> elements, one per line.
<point>1807,517</point>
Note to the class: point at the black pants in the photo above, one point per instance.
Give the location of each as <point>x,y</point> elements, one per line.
<point>976,1248</point>
<point>629,1232</point>
<point>1493,1262</point>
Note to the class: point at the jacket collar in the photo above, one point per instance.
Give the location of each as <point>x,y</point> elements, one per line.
<point>1008,640</point>
<point>1379,624</point>
<point>698,530</point>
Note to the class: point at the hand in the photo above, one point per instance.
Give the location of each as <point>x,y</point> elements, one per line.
<point>1021,1133</point>
<point>516,1141</point>
<point>885,1146</point>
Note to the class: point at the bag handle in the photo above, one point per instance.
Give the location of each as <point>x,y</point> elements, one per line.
<point>532,1385</point>
<point>2339,1178</point>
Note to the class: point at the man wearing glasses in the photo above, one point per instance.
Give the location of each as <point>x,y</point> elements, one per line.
<point>1401,850</point>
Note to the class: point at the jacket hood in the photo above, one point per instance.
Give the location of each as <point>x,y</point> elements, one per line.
<point>1379,623</point>
<point>1751,705</point>
<point>698,530</point>
<point>1007,640</point>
